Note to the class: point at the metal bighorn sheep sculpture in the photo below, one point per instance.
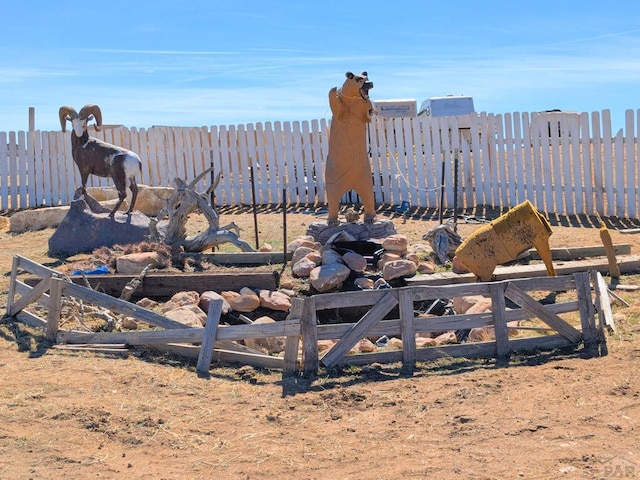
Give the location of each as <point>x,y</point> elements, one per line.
<point>96,157</point>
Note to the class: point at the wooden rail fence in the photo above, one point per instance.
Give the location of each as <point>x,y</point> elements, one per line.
<point>373,323</point>
<point>215,342</point>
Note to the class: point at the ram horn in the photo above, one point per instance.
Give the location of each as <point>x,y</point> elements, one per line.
<point>65,112</point>
<point>94,110</point>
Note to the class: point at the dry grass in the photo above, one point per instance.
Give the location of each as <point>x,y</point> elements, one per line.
<point>69,414</point>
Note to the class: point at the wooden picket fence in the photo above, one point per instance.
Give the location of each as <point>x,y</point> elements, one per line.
<point>566,163</point>
<point>388,312</point>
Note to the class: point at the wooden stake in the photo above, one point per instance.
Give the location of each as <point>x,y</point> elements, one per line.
<point>253,204</point>
<point>605,236</point>
<point>408,330</point>
<point>55,308</point>
<point>210,332</point>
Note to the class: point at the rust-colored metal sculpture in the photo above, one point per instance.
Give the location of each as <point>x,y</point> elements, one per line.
<point>97,157</point>
<point>348,165</point>
<point>504,239</point>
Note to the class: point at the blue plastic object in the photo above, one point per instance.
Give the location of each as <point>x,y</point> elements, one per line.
<point>404,206</point>
<point>101,270</point>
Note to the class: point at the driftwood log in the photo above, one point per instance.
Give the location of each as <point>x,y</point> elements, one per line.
<point>185,201</point>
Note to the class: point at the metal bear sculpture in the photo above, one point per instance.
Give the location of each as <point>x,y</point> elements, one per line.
<point>348,165</point>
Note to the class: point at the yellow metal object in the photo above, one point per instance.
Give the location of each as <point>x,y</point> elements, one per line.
<point>504,239</point>
<point>605,236</point>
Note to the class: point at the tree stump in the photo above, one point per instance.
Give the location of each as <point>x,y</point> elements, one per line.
<point>185,201</point>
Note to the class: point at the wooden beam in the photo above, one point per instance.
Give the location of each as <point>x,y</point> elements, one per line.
<point>407,328</point>
<point>134,338</point>
<point>240,258</point>
<point>359,330</point>
<point>603,303</point>
<point>258,360</point>
<point>283,328</point>
<point>292,341</point>
<point>32,320</point>
<point>121,349</point>
<point>12,284</point>
<point>498,310</point>
<point>184,335</point>
<point>116,305</point>
<point>605,236</point>
<point>309,331</point>
<point>55,308</point>
<point>164,285</point>
<point>627,264</point>
<point>35,268</point>
<point>585,303</point>
<point>22,289</point>
<point>524,301</point>
<point>209,338</point>
<point>36,292</point>
<point>465,350</point>
<point>576,253</point>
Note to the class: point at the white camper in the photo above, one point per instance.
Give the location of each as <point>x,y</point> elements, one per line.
<point>458,106</point>
<point>396,108</point>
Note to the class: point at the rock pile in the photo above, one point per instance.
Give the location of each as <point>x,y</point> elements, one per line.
<point>327,269</point>
<point>190,308</point>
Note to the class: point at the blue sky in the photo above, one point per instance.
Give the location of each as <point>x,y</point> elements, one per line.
<point>216,62</point>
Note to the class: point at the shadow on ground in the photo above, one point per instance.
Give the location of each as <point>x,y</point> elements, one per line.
<point>478,214</point>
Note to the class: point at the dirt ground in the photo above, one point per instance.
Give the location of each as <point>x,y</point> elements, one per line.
<point>140,415</point>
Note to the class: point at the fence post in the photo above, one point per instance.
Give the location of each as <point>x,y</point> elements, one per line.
<point>309,331</point>
<point>55,308</point>
<point>585,306</point>
<point>291,346</point>
<point>407,328</point>
<point>498,307</point>
<point>603,305</point>
<point>209,338</point>
<point>12,284</point>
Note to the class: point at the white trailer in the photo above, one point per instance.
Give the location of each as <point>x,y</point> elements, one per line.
<point>458,106</point>
<point>396,108</point>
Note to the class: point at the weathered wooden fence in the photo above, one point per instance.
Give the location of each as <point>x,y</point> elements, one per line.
<point>388,312</point>
<point>40,306</point>
<point>565,163</point>
<point>379,320</point>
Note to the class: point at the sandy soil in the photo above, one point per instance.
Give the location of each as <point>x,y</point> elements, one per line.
<point>138,415</point>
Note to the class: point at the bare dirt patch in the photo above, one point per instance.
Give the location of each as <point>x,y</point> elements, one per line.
<point>69,414</point>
